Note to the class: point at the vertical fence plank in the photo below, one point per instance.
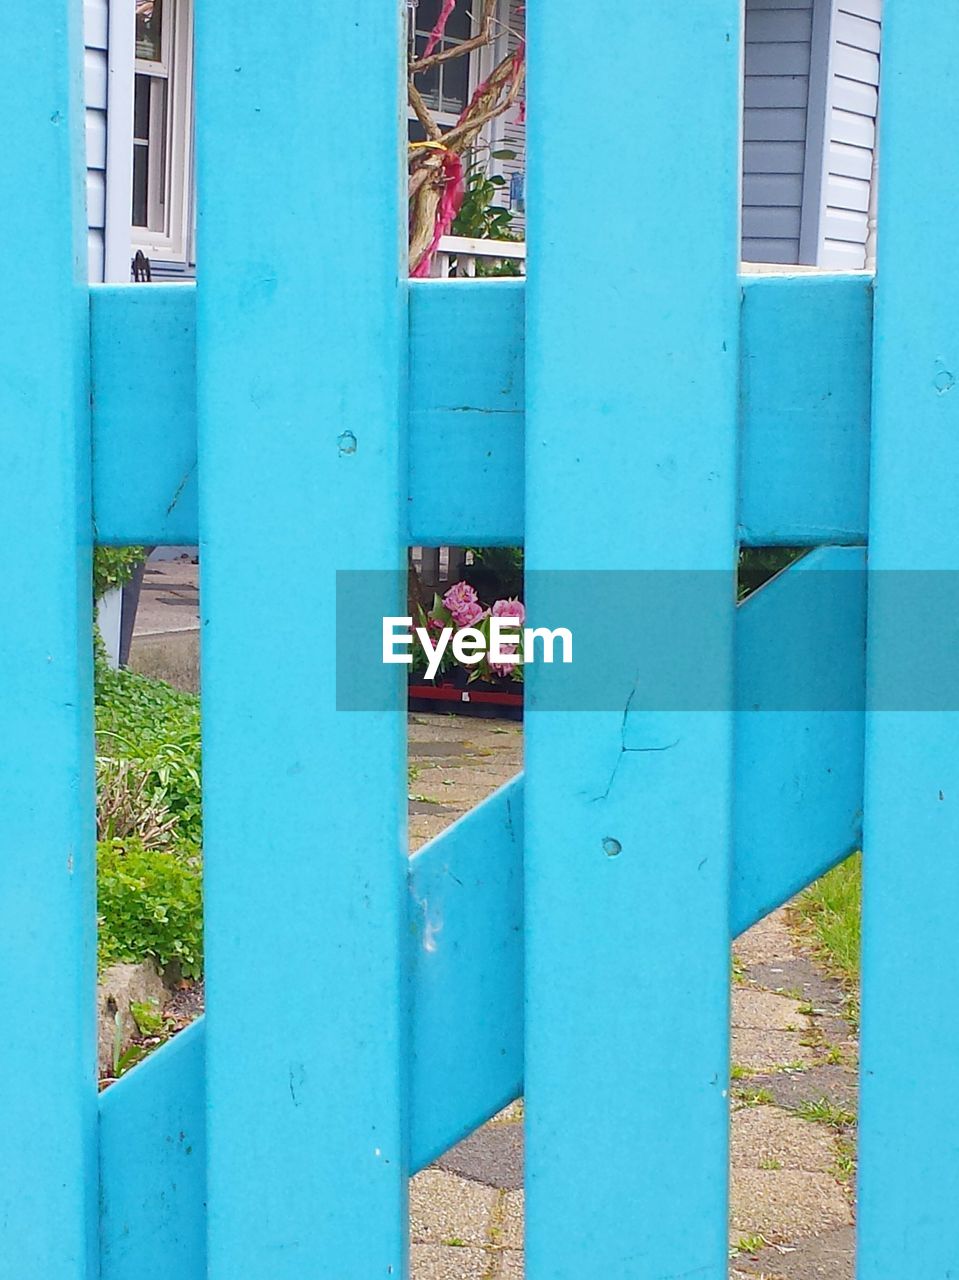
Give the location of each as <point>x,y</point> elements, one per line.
<point>909,1137</point>
<point>301,383</point>
<point>47,909</point>
<point>631,464</point>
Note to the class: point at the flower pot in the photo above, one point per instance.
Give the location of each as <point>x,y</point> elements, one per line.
<point>455,695</point>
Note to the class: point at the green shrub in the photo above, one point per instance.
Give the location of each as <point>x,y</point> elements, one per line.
<point>149,903</point>
<point>114,566</point>
<point>149,870</point>
<point>157,729</point>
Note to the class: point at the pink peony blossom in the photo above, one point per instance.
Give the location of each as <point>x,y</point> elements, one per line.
<point>463,604</point>
<point>510,609</point>
<point>506,668</point>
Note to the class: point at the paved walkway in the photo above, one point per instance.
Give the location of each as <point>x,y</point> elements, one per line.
<point>794,1055</point>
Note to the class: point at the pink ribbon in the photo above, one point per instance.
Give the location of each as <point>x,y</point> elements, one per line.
<point>449,207</point>
<point>436,35</point>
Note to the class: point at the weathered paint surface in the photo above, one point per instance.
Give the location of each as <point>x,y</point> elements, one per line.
<point>48,1183</point>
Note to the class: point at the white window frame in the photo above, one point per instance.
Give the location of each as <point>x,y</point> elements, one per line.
<point>171,154</point>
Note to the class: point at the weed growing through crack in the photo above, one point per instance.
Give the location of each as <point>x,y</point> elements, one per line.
<point>824,1112</point>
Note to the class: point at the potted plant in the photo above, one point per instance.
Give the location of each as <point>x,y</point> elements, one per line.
<point>483,688</point>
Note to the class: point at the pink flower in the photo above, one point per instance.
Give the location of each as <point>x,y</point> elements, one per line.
<point>506,668</point>
<point>463,604</point>
<point>510,609</point>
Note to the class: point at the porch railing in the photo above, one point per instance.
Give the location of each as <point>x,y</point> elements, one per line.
<point>458,255</point>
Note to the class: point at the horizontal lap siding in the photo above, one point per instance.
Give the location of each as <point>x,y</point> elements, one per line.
<point>778,35</point>
<point>508,133</point>
<point>95,18</point>
<point>853,108</point>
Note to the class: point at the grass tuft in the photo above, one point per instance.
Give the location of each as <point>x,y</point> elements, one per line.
<point>829,914</point>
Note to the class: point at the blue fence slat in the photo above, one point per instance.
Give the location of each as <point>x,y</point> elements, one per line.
<point>632,388</point>
<point>909,1166</point>
<point>48,1186</point>
<point>144,428</point>
<point>806,352</point>
<point>466,413</point>
<point>301,360</point>
<point>804,464</point>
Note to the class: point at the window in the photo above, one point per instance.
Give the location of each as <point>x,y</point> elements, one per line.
<point>445,88</point>
<point>162,130</point>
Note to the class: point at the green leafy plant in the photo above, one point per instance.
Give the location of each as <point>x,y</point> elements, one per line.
<point>751,1243</point>
<point>114,566</point>
<point>149,903</point>
<point>148,1016</point>
<point>156,730</point>
<point>481,218</point>
<point>149,822</point>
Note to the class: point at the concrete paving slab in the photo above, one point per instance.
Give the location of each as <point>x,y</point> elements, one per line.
<point>838,1085</point>
<point>759,1051</point>
<point>785,1205</point>
<point>767,941</point>
<point>761,1137</point>
<point>764,1010</point>
<point>830,1256</point>
<point>446,1208</point>
<point>169,597</point>
<point>511,1220</point>
<point>510,1266</point>
<point>441,1262</point>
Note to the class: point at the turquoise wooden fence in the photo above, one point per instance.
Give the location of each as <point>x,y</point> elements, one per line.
<point>634,405</point>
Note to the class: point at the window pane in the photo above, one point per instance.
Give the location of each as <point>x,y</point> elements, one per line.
<point>149,29</point>
<point>141,171</point>
<point>457,24</point>
<point>141,107</point>
<point>427,13</point>
<point>428,82</point>
<point>455,84</point>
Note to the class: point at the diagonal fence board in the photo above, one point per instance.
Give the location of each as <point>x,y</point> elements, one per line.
<point>805,412</point>
<point>798,812</point>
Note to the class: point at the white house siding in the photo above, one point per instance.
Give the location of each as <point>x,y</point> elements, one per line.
<point>509,131</point>
<point>95,23</point>
<point>776,95</point>
<point>852,110</point>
